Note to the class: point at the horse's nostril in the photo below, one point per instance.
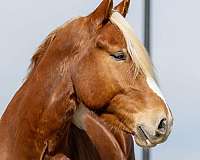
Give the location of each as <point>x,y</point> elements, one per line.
<point>162,127</point>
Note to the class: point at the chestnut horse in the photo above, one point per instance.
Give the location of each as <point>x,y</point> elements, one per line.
<point>90,88</point>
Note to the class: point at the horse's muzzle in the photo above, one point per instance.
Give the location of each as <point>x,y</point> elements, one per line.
<point>150,136</point>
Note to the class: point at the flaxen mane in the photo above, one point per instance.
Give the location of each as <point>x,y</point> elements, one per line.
<point>135,48</point>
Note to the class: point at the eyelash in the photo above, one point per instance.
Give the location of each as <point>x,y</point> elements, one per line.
<point>119,56</point>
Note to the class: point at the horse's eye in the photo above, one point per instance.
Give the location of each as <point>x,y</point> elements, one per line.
<point>119,56</point>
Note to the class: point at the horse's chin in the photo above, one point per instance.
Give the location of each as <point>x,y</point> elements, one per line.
<point>115,124</point>
<point>143,142</point>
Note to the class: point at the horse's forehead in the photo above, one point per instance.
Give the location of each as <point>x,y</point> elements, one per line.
<point>113,35</point>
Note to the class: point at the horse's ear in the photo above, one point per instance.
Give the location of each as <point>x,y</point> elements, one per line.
<point>122,7</point>
<point>102,12</point>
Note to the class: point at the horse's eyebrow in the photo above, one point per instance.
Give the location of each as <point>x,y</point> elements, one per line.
<point>124,50</point>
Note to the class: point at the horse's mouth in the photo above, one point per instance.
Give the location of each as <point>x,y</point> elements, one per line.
<point>139,134</point>
<point>142,133</point>
<point>142,138</point>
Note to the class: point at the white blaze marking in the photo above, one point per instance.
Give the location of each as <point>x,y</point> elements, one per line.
<point>153,85</point>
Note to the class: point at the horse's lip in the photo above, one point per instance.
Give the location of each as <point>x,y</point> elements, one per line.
<point>144,135</point>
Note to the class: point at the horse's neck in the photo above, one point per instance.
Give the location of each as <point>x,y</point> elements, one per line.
<point>38,113</point>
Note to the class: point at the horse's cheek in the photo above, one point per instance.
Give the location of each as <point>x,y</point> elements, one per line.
<point>95,94</point>
<point>93,84</point>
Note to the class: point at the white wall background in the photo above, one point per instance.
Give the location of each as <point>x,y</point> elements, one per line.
<point>176,31</point>
<point>176,55</point>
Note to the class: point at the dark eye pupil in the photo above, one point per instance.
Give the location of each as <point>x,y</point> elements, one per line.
<point>119,56</point>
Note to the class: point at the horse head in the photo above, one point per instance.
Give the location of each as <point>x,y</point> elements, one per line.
<point>113,76</point>
<point>100,61</point>
<point>97,61</point>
